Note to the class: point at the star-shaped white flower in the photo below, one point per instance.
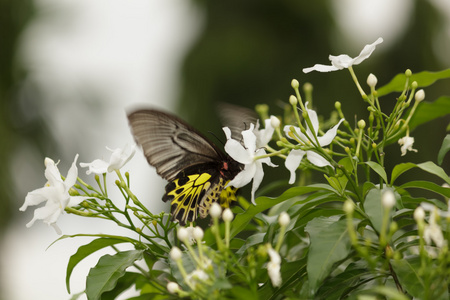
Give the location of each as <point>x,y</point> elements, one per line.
<point>344,61</point>
<point>295,157</point>
<point>119,158</point>
<point>406,144</point>
<point>246,155</point>
<point>55,192</point>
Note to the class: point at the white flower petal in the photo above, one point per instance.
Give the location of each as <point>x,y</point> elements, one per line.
<point>293,161</point>
<point>320,68</point>
<point>237,152</point>
<point>34,198</point>
<point>264,136</point>
<point>314,122</point>
<point>257,179</point>
<point>72,174</point>
<point>243,177</point>
<point>249,139</point>
<point>317,159</point>
<point>52,173</point>
<point>329,136</point>
<point>341,61</point>
<point>367,51</point>
<point>98,166</point>
<point>120,157</point>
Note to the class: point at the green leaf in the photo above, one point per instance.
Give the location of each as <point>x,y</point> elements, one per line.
<point>85,251</point>
<point>104,276</point>
<point>330,243</point>
<point>423,79</point>
<point>428,111</point>
<point>426,185</point>
<point>373,208</point>
<point>399,170</point>
<point>428,166</point>
<point>407,271</point>
<point>444,149</point>
<point>378,169</point>
<point>124,283</point>
<point>240,222</point>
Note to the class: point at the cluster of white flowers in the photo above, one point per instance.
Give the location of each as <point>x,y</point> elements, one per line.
<point>56,192</point>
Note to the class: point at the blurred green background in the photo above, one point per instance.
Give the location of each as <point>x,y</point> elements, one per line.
<point>246,53</point>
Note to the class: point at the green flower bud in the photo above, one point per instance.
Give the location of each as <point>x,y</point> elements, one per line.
<point>361,124</point>
<point>295,84</point>
<point>337,105</point>
<point>408,73</point>
<point>308,87</point>
<point>293,100</point>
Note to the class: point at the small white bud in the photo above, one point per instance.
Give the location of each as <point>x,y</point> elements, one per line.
<point>348,206</point>
<point>274,122</point>
<point>227,215</point>
<point>175,253</point>
<point>295,84</point>
<point>372,80</point>
<point>182,234</point>
<point>198,233</point>
<point>419,214</point>
<point>173,287</point>
<point>293,100</point>
<point>284,219</point>
<point>420,95</point>
<point>215,211</point>
<point>388,199</point>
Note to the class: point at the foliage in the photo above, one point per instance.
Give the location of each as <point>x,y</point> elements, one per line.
<point>359,233</point>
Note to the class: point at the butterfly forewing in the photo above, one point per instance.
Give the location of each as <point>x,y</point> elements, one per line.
<point>169,144</point>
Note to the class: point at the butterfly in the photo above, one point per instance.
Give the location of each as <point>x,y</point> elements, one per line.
<point>197,170</point>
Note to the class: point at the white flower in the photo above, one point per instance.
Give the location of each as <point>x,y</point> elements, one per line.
<point>198,233</point>
<point>246,155</point>
<point>274,266</point>
<point>344,61</point>
<point>119,158</point>
<point>406,144</point>
<point>55,192</point>
<point>296,155</point>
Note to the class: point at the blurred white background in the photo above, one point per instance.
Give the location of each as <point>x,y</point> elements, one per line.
<point>125,53</point>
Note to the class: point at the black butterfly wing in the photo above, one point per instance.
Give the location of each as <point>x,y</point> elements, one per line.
<point>169,144</point>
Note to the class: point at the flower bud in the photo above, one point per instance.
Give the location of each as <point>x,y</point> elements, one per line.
<point>408,73</point>
<point>284,219</point>
<point>348,207</point>
<point>173,287</point>
<point>227,215</point>
<point>198,233</point>
<point>419,214</point>
<point>293,100</point>
<point>420,95</point>
<point>308,87</point>
<point>337,105</point>
<point>262,109</point>
<point>182,234</point>
<point>274,122</point>
<point>175,253</point>
<point>215,210</point>
<point>388,199</point>
<point>295,84</point>
<point>361,124</point>
<point>372,80</point>
<point>414,85</point>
